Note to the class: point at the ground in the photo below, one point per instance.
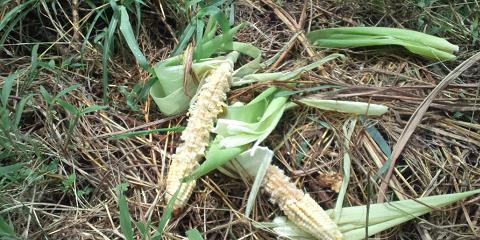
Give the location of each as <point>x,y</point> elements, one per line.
<point>62,160</point>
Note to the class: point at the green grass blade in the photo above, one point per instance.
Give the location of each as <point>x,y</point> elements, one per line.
<point>19,110</point>
<point>143,229</point>
<point>92,108</point>
<point>6,230</point>
<point>33,71</point>
<point>185,38</point>
<point>46,95</point>
<point>125,219</point>
<point>213,3</point>
<point>138,15</point>
<point>194,234</point>
<point>12,25</point>
<point>208,48</point>
<point>66,91</point>
<point>7,87</point>
<point>167,214</point>
<point>13,12</point>
<point>90,29</point>
<point>107,48</point>
<point>7,171</point>
<point>127,31</point>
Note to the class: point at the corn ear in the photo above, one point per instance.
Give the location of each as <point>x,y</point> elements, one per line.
<point>209,102</point>
<point>300,208</point>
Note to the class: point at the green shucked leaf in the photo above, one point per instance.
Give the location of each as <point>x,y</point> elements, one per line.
<point>382,216</point>
<point>422,44</point>
<point>368,109</point>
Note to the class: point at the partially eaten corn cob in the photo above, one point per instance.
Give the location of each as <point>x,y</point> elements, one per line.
<point>300,208</point>
<point>209,102</point>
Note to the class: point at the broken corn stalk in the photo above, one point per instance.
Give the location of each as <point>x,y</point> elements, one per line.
<point>209,102</point>
<point>299,207</point>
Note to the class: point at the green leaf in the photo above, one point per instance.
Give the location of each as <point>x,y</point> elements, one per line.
<point>66,90</point>
<point>283,76</point>
<point>237,133</point>
<point>6,229</point>
<point>185,38</point>
<point>127,31</point>
<point>90,29</point>
<point>167,214</point>
<point>93,108</point>
<point>253,113</point>
<point>425,45</point>
<point>386,215</point>
<point>348,128</point>
<point>13,12</point>
<point>345,106</point>
<point>19,110</point>
<point>69,107</point>
<point>143,229</point>
<point>69,181</point>
<point>125,219</point>
<point>7,87</point>
<point>46,95</point>
<point>214,158</point>
<point>352,222</point>
<point>255,162</point>
<point>9,170</point>
<point>194,234</point>
<point>107,48</point>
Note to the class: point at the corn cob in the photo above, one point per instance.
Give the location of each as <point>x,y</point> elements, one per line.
<point>300,208</point>
<point>209,102</point>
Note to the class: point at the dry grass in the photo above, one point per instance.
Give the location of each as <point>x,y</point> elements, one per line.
<point>441,157</point>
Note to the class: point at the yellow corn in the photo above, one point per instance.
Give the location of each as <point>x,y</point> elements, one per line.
<point>300,208</point>
<point>203,112</point>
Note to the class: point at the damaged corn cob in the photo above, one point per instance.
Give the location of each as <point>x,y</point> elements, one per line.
<point>209,102</point>
<point>300,208</point>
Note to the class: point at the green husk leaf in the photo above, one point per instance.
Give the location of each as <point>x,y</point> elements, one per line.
<point>284,228</point>
<point>348,128</point>
<point>382,216</point>
<point>255,162</point>
<point>425,45</point>
<point>385,215</point>
<point>368,109</point>
<point>284,76</point>
<point>217,155</point>
<point>237,133</point>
